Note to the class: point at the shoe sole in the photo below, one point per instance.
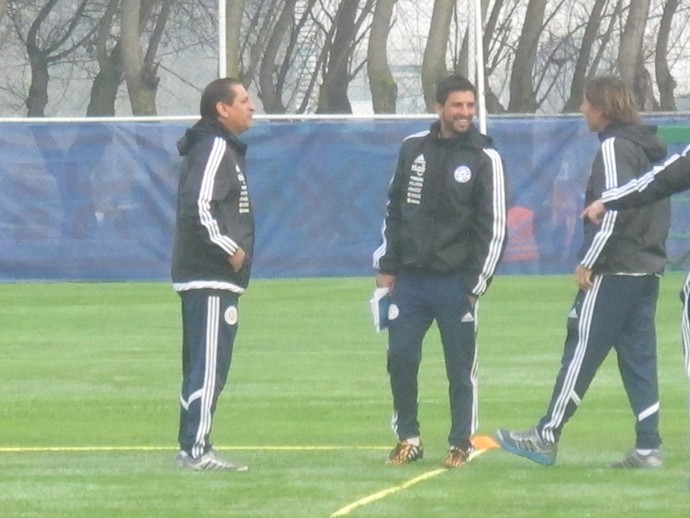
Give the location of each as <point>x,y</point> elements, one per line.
<point>620,465</point>
<point>401,462</point>
<point>531,455</point>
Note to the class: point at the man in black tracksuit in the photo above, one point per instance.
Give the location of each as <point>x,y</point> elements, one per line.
<point>443,235</point>
<point>211,261</point>
<point>618,276</point>
<point>672,177</point>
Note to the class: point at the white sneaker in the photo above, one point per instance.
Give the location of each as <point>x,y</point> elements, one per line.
<point>209,461</point>
<point>635,460</point>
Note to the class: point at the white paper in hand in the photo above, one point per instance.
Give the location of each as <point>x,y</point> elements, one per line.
<point>379,304</point>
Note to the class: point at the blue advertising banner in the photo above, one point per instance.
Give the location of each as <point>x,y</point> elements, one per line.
<point>95,200</point>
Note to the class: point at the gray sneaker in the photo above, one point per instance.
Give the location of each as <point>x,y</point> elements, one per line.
<point>635,460</point>
<point>209,461</point>
<point>528,444</point>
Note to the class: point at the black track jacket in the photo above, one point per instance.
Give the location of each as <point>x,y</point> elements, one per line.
<point>630,242</point>
<point>669,178</point>
<point>214,216</point>
<point>446,208</point>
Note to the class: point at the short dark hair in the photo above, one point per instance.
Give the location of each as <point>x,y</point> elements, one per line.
<point>217,91</point>
<point>454,83</point>
<point>612,96</point>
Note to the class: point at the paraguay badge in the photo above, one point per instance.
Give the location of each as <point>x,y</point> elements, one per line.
<point>231,316</point>
<point>462,174</point>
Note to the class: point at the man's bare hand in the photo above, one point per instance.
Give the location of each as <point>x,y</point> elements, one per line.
<point>385,280</point>
<point>583,277</point>
<point>237,260</point>
<point>594,212</point>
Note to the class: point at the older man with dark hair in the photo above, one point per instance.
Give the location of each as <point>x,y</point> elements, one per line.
<point>211,261</point>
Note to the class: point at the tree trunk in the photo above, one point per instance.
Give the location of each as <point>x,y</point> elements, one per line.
<point>38,91</point>
<point>630,59</point>
<point>630,51</point>
<point>463,64</point>
<point>234,11</point>
<point>3,9</point>
<point>132,62</point>
<point>105,85</point>
<point>333,92</point>
<point>493,105</point>
<point>270,96</point>
<point>253,48</point>
<point>140,72</point>
<point>664,79</point>
<point>107,81</point>
<point>522,95</point>
<point>434,62</point>
<point>577,87</point>
<point>37,100</point>
<point>51,46</point>
<point>384,90</point>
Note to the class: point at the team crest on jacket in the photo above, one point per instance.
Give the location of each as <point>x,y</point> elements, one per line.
<point>393,312</point>
<point>462,174</point>
<point>231,316</point>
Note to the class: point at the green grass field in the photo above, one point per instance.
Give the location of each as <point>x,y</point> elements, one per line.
<point>89,377</point>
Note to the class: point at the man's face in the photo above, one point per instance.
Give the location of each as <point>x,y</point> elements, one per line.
<point>237,117</point>
<point>593,116</point>
<point>457,113</point>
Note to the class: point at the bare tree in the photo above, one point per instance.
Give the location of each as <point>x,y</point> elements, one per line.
<point>462,65</point>
<point>630,58</point>
<point>140,71</point>
<point>3,8</point>
<point>434,63</point>
<point>522,94</point>
<point>233,23</point>
<point>606,40</point>
<point>303,55</point>
<point>384,90</point>
<point>47,42</point>
<point>664,79</point>
<point>577,86</point>
<point>261,21</point>
<point>107,81</point>
<point>496,47</point>
<point>269,89</point>
<point>339,67</point>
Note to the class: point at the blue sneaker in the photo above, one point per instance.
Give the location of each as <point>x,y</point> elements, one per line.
<point>528,444</point>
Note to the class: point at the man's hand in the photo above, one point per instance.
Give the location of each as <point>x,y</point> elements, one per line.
<point>583,277</point>
<point>385,280</point>
<point>594,212</point>
<point>237,260</point>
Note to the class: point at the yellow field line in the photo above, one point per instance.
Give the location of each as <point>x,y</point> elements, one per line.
<point>386,492</point>
<point>39,449</point>
<point>392,490</point>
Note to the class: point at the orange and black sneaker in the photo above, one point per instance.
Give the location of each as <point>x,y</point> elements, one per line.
<point>405,452</point>
<point>457,457</point>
